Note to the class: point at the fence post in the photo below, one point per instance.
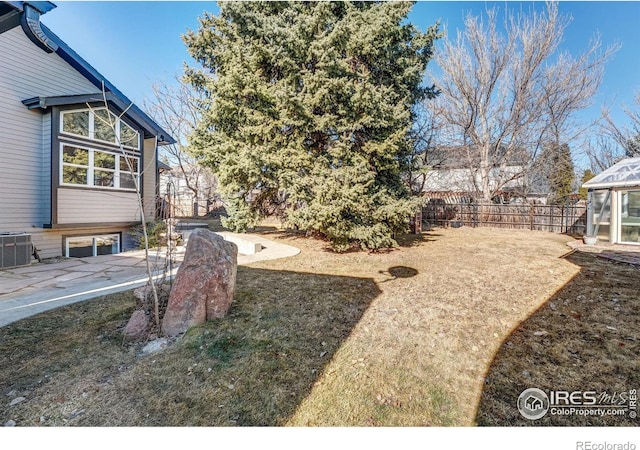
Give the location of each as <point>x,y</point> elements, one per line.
<point>531,217</point>
<point>475,214</point>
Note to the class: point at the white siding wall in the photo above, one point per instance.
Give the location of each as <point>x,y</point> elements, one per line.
<point>89,206</point>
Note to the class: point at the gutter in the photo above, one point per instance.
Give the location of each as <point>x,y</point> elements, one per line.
<point>30,22</point>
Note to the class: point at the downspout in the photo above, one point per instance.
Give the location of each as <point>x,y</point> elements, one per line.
<point>30,21</point>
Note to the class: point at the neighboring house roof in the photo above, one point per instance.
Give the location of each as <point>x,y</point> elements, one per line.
<point>468,157</point>
<point>624,173</point>
<point>162,167</point>
<point>28,14</point>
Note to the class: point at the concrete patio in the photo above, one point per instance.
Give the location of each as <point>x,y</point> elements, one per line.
<point>29,290</point>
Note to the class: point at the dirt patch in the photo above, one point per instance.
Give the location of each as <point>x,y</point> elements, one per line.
<point>585,338</point>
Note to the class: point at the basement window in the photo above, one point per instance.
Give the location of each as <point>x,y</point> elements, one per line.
<point>83,246</point>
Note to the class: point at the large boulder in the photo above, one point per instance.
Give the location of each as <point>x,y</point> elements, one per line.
<point>204,285</point>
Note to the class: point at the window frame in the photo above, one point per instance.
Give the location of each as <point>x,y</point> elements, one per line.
<point>91,129</point>
<point>94,240</point>
<point>91,167</point>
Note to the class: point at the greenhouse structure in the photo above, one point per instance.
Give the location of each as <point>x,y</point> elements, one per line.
<point>613,207</point>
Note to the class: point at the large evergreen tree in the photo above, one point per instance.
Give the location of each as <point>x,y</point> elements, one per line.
<point>307,112</point>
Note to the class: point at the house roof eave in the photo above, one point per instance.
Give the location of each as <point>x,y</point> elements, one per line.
<point>28,15</point>
<point>97,79</point>
<point>131,113</point>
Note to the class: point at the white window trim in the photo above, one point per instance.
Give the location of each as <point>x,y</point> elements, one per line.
<point>618,230</point>
<point>91,168</point>
<point>94,238</point>
<point>92,119</point>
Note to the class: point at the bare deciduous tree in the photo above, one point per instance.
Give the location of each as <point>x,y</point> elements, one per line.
<point>603,152</point>
<point>427,134</point>
<point>510,93</point>
<point>176,108</point>
<point>109,120</point>
<point>627,136</point>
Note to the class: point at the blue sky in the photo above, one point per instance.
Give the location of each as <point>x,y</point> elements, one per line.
<point>134,43</point>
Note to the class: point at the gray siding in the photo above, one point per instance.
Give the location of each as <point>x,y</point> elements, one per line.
<point>45,185</point>
<point>149,178</point>
<point>49,242</point>
<point>93,206</point>
<point>25,146</point>
<point>25,72</point>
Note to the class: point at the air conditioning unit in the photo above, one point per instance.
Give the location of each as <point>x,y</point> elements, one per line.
<point>15,249</point>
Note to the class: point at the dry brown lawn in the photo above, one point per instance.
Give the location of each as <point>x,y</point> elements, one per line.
<point>409,337</point>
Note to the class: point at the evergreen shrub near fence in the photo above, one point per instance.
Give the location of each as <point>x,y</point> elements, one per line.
<point>570,219</point>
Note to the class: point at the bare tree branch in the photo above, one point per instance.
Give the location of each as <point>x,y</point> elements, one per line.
<point>175,107</point>
<point>506,95</point>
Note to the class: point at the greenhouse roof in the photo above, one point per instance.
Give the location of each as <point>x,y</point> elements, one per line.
<point>622,174</point>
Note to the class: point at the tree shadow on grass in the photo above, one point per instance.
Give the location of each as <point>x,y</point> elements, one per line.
<point>252,368</point>
<point>586,337</point>
<point>413,240</point>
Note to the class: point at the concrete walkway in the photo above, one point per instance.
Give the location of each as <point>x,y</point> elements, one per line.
<point>26,291</point>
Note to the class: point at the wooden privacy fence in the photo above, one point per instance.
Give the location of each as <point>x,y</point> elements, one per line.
<point>570,219</point>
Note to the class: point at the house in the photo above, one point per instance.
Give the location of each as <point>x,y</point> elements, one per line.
<point>453,173</point>
<point>190,190</point>
<point>65,180</point>
<point>613,206</point>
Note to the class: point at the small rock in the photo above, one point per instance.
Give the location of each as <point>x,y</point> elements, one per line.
<point>17,400</point>
<point>322,354</point>
<point>137,325</point>
<point>540,333</point>
<point>10,423</point>
<point>611,328</point>
<point>12,393</point>
<point>155,346</point>
<point>141,293</point>
<point>526,374</point>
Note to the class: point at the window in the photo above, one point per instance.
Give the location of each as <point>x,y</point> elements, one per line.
<point>630,217</point>
<point>75,165</point>
<point>104,125</point>
<point>83,246</point>
<point>100,125</point>
<point>76,123</point>
<point>97,168</point>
